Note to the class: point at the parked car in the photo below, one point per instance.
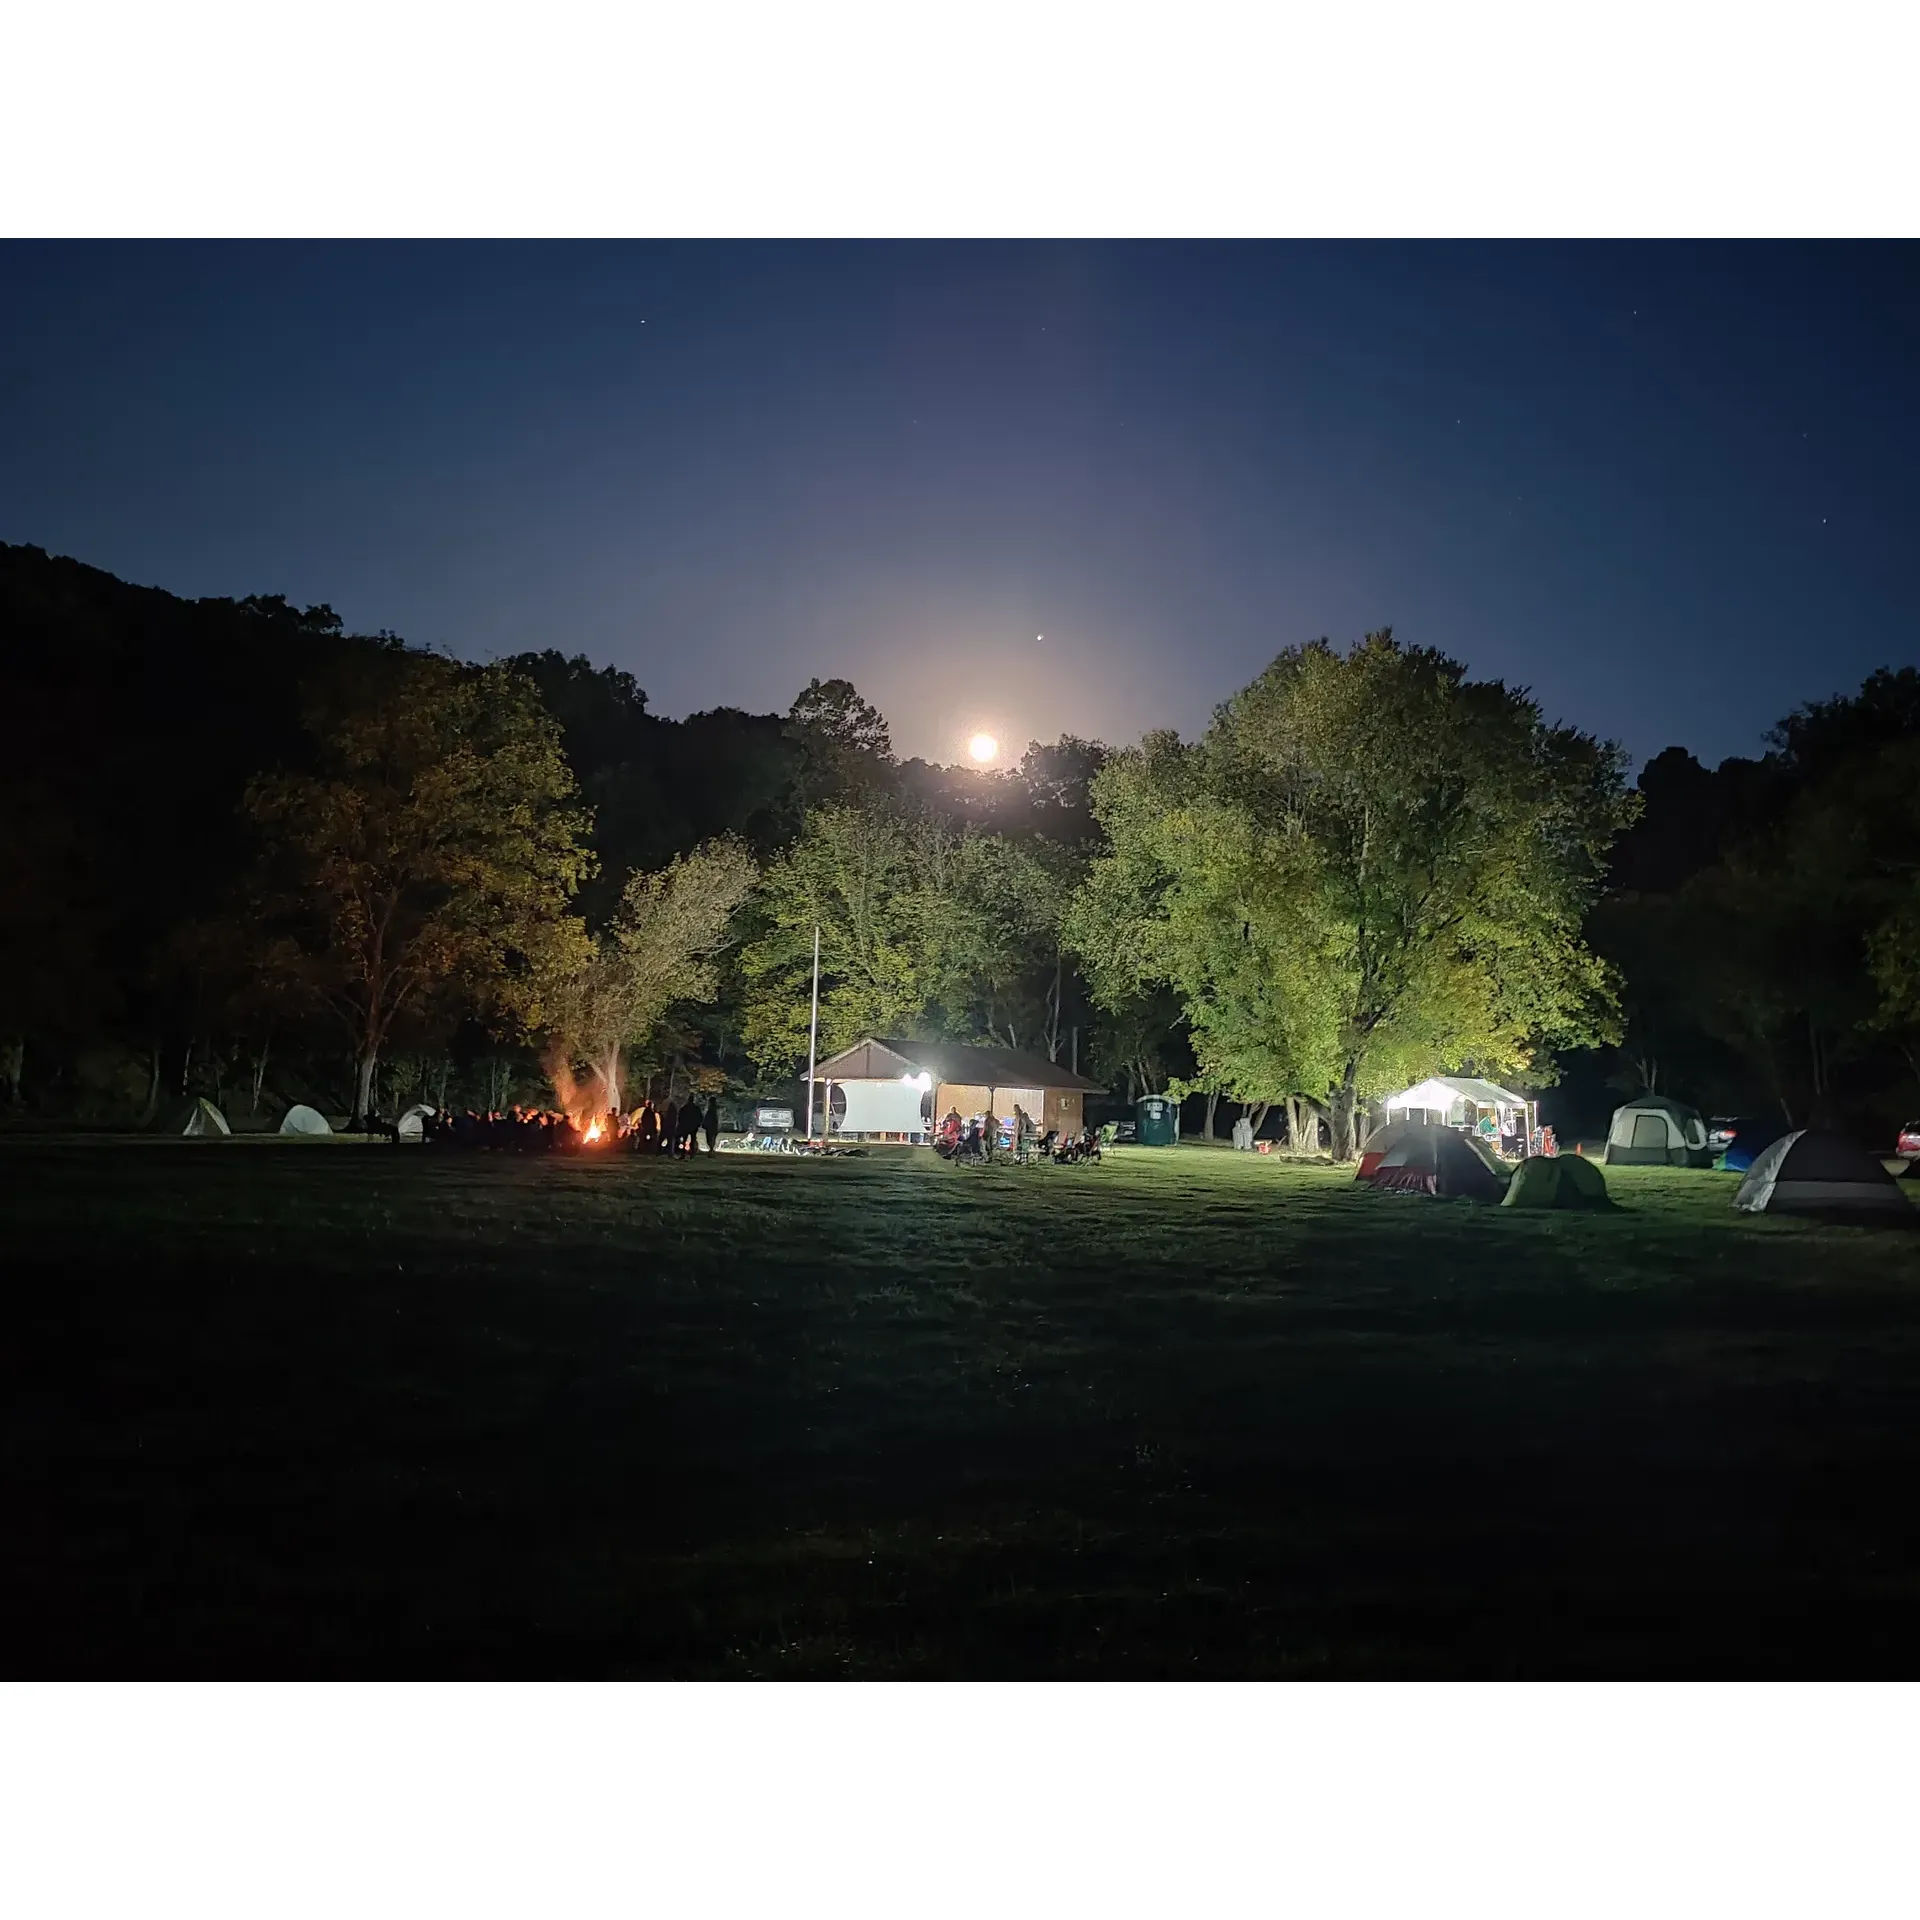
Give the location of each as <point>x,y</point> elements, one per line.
<point>1908,1145</point>
<point>1740,1141</point>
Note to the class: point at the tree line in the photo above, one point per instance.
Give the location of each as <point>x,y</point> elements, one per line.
<point>253,856</point>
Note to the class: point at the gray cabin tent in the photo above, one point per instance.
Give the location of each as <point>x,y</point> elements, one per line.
<point>1652,1131</point>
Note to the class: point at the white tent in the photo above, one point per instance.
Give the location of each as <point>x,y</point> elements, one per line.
<point>413,1122</point>
<point>303,1120</point>
<point>1444,1094</point>
<point>1820,1173</point>
<point>1448,1100</point>
<point>1652,1131</point>
<point>206,1118</point>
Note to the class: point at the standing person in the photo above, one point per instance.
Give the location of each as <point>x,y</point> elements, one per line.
<point>711,1124</point>
<point>989,1133</point>
<point>670,1125</point>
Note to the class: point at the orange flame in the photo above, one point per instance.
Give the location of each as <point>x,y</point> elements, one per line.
<point>594,1132</point>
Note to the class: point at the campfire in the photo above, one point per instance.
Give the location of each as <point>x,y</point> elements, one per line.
<point>596,1130</point>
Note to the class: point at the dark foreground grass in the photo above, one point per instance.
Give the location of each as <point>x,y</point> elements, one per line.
<point>276,1409</point>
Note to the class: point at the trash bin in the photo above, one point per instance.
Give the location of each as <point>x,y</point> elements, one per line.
<point>1158,1120</point>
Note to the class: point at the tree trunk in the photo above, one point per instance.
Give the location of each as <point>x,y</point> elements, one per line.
<point>440,1096</point>
<point>363,1096</point>
<point>1257,1112</point>
<point>15,1060</point>
<point>1053,1010</point>
<point>1340,1113</point>
<point>153,1089</point>
<point>259,1074</point>
<point>1213,1100</point>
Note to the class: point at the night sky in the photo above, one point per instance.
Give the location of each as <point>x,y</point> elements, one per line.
<point>1671,488</point>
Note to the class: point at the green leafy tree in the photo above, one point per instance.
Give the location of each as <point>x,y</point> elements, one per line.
<point>659,950</point>
<point>926,927</point>
<point>846,749</point>
<point>851,875</point>
<point>432,849</point>
<point>1370,868</point>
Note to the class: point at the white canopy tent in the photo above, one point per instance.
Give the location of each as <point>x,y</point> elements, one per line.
<point>1447,1100</point>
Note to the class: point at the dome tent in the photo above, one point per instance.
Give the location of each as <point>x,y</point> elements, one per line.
<point>303,1120</point>
<point>1441,1161</point>
<point>1820,1173</point>
<point>413,1122</point>
<point>1651,1131</point>
<point>1382,1141</point>
<point>1563,1182</point>
<point>203,1117</point>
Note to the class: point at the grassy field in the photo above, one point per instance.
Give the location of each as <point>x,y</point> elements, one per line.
<point>281,1409</point>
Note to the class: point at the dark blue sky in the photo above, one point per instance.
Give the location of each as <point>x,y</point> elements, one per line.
<point>1672,488</point>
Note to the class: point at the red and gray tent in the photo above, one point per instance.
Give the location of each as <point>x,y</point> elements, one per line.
<point>1809,1172</point>
<point>1441,1161</point>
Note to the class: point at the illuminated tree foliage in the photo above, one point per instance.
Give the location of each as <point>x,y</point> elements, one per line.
<point>658,951</point>
<point>434,845</point>
<point>926,927</point>
<point>1370,868</point>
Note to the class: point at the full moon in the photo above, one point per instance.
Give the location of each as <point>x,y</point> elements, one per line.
<point>983,747</point>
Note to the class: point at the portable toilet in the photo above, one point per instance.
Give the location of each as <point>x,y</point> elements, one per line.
<point>1156,1120</point>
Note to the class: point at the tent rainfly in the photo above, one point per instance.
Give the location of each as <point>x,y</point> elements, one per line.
<point>205,1118</point>
<point>303,1120</point>
<point>1564,1182</point>
<point>903,1087</point>
<point>1821,1173</point>
<point>1652,1131</point>
<point>1441,1161</point>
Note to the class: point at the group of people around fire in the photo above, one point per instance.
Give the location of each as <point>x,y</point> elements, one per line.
<point>668,1127</point>
<point>976,1139</point>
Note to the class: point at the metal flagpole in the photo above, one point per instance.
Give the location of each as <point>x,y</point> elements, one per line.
<point>813,1030</point>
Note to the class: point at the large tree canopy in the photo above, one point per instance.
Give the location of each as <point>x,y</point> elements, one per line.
<point>436,842</point>
<point>659,949</point>
<point>925,927</point>
<point>1370,868</point>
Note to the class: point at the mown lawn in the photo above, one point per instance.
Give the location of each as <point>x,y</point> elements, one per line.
<point>286,1409</point>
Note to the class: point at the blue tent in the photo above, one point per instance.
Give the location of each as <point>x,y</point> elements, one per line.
<point>1750,1137</point>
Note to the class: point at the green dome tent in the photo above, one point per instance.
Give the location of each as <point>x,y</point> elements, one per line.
<point>203,1117</point>
<point>1566,1181</point>
<point>304,1122</point>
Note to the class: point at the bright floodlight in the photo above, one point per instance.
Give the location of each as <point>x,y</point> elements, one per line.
<point>983,747</point>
